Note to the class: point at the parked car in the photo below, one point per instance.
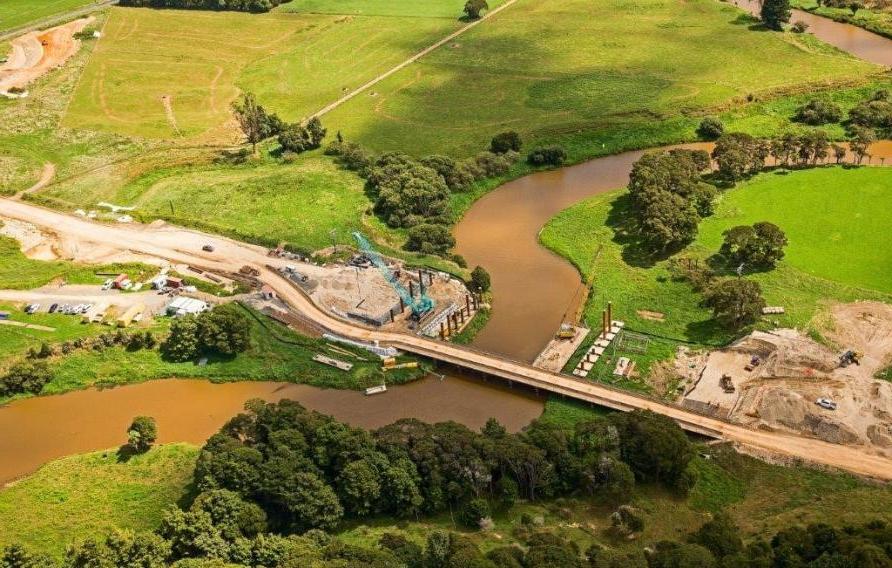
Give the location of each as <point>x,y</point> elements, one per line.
<point>53,308</point>
<point>826,403</point>
<point>108,284</point>
<point>208,248</point>
<point>32,308</point>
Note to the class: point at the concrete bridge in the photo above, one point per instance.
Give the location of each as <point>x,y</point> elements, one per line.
<point>180,245</point>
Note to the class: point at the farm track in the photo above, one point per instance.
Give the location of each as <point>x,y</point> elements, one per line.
<point>411,60</point>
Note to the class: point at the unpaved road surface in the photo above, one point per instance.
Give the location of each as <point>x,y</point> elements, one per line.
<point>184,246</point>
<point>36,53</point>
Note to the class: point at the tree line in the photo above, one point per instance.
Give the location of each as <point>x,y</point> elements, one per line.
<point>219,5</point>
<point>276,477</point>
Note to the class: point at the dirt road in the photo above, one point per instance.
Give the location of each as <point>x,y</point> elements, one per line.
<point>182,245</point>
<point>36,53</point>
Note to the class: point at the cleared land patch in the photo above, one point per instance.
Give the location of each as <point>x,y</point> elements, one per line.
<point>91,494</point>
<point>553,69</point>
<point>152,61</point>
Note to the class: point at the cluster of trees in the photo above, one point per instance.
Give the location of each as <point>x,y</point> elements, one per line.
<point>297,138</point>
<point>224,330</point>
<point>231,5</point>
<point>305,470</point>
<point>669,197</point>
<point>760,245</point>
<point>25,377</point>
<point>221,529</point>
<point>547,156</point>
<point>414,194</point>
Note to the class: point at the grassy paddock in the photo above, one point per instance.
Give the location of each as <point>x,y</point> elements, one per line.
<point>450,9</point>
<point>92,494</point>
<point>18,13</point>
<point>296,63</point>
<point>555,70</point>
<point>812,275</point>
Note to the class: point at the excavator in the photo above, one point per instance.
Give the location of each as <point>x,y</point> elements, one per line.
<point>850,357</point>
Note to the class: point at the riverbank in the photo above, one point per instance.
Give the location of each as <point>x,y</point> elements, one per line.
<point>874,20</point>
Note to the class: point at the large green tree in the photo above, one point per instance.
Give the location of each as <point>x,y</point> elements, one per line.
<point>775,13</point>
<point>736,302</point>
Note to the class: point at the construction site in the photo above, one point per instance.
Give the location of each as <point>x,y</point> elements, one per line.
<point>383,292</point>
<point>785,380</point>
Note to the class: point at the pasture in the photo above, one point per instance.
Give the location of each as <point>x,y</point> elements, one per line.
<point>555,70</point>
<point>17,13</point>
<point>299,202</point>
<point>173,74</point>
<point>450,9</point>
<point>89,495</point>
<point>838,250</point>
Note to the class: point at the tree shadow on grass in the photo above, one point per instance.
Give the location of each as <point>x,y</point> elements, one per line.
<point>125,453</point>
<point>635,251</point>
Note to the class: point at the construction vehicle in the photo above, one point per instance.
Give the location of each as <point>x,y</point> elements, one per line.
<point>249,271</point>
<point>567,331</point>
<point>849,357</point>
<point>754,362</point>
<point>420,305</point>
<point>826,403</point>
<point>726,384</point>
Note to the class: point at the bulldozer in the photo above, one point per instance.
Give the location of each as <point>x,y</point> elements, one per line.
<point>726,384</point>
<point>249,271</point>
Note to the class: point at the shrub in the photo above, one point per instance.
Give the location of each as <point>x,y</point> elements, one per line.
<point>736,302</point>
<point>547,156</point>
<point>430,238</point>
<point>816,112</point>
<point>505,142</point>
<point>490,164</point>
<point>142,433</point>
<point>473,512</point>
<point>480,280</point>
<point>25,377</point>
<point>710,128</point>
<point>800,27</point>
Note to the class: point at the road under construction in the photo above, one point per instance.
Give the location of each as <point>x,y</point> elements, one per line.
<point>159,241</point>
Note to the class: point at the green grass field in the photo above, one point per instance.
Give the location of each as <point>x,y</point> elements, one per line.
<point>833,217</point>
<point>296,63</point>
<point>450,9</point>
<point>555,69</point>
<point>89,495</point>
<point>14,340</point>
<point>811,206</point>
<point>299,203</point>
<point>17,13</point>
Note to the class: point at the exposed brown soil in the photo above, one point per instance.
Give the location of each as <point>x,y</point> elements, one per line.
<point>36,53</point>
<point>795,371</point>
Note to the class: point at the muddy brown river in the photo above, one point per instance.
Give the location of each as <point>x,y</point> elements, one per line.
<point>533,290</point>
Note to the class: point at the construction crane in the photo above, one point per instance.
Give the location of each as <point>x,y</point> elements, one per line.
<point>420,305</point>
